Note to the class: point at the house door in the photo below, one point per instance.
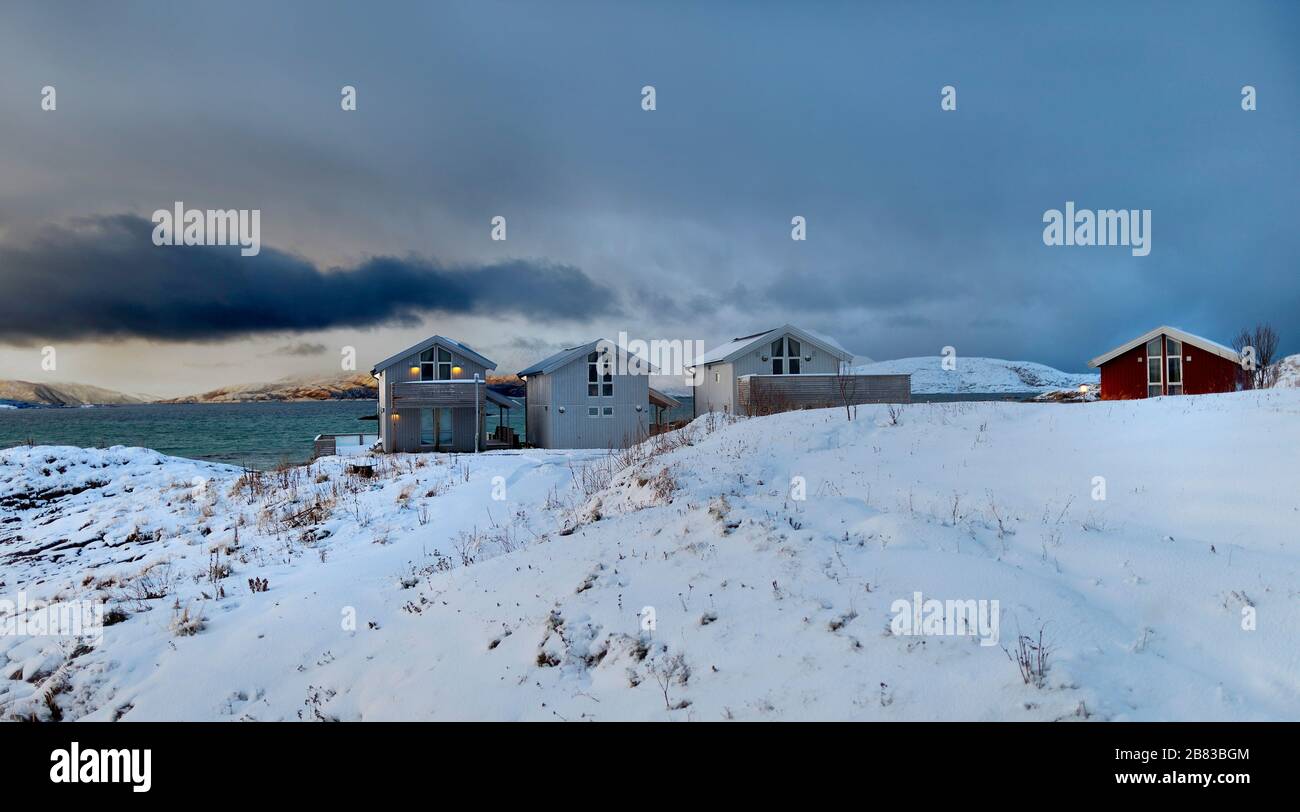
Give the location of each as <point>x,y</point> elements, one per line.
<point>436,428</point>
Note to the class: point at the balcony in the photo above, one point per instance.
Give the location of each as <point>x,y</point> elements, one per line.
<point>439,394</point>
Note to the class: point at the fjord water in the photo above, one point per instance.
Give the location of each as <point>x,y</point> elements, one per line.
<point>258,435</point>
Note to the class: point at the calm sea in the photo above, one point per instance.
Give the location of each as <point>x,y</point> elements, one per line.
<point>258,435</point>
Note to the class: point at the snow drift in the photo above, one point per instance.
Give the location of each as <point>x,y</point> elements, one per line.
<point>743,569</point>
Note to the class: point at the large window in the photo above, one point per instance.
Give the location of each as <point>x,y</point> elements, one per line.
<point>785,356</point>
<point>436,428</point>
<point>1154,365</point>
<point>435,365</point>
<point>1174,365</point>
<point>600,378</point>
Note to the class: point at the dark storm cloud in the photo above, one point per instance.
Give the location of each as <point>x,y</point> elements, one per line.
<point>103,277</point>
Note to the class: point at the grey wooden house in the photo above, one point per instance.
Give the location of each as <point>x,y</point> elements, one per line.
<point>582,397</point>
<point>434,397</point>
<point>787,368</point>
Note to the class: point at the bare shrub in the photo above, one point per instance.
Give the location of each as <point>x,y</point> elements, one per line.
<point>185,624</point>
<point>669,671</point>
<point>1031,658</point>
<point>1264,340</point>
<point>663,484</point>
<point>154,582</point>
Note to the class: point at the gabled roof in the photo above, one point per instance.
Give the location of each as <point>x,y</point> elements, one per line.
<point>739,346</point>
<point>1173,332</point>
<point>449,343</point>
<point>665,400</point>
<point>553,362</point>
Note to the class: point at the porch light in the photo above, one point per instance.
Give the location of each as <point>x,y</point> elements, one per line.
<point>808,357</point>
<point>415,370</point>
<point>394,416</point>
<point>456,370</point>
<point>1083,389</point>
<point>764,356</point>
<point>560,410</point>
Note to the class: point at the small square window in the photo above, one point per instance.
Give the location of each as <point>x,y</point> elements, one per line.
<point>609,411</point>
<point>593,389</point>
<point>609,390</point>
<point>593,411</point>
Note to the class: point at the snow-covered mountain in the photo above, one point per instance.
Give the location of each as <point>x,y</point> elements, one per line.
<point>62,394</point>
<point>739,569</point>
<point>338,387</point>
<point>978,375</point>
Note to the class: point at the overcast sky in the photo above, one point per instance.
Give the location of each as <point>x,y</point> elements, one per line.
<point>924,226</point>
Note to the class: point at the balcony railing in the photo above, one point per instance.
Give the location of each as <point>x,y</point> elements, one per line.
<point>438,394</point>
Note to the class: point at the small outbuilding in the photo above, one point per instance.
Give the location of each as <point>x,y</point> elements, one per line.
<point>1167,361</point>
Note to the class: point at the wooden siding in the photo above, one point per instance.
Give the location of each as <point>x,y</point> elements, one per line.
<point>1124,377</point>
<point>566,388</point>
<point>537,400</point>
<point>787,392</point>
<point>1207,373</point>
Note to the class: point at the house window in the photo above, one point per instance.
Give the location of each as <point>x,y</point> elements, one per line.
<point>608,411</point>
<point>435,365</point>
<point>600,379</point>
<point>593,411</point>
<point>436,428</point>
<point>1155,380</point>
<point>717,377</point>
<point>785,356</point>
<point>1174,365</point>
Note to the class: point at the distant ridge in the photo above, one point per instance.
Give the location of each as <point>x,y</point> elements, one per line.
<point>63,394</point>
<point>359,386</point>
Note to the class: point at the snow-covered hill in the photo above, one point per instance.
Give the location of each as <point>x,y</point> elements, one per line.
<point>338,387</point>
<point>416,594</point>
<point>1288,372</point>
<point>978,375</point>
<point>62,394</point>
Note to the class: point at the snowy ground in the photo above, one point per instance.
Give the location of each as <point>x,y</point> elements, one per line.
<point>766,606</point>
<point>978,375</point>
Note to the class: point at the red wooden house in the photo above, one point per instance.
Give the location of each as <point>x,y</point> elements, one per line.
<point>1167,361</point>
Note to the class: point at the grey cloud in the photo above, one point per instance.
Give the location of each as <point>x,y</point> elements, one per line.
<point>102,277</point>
